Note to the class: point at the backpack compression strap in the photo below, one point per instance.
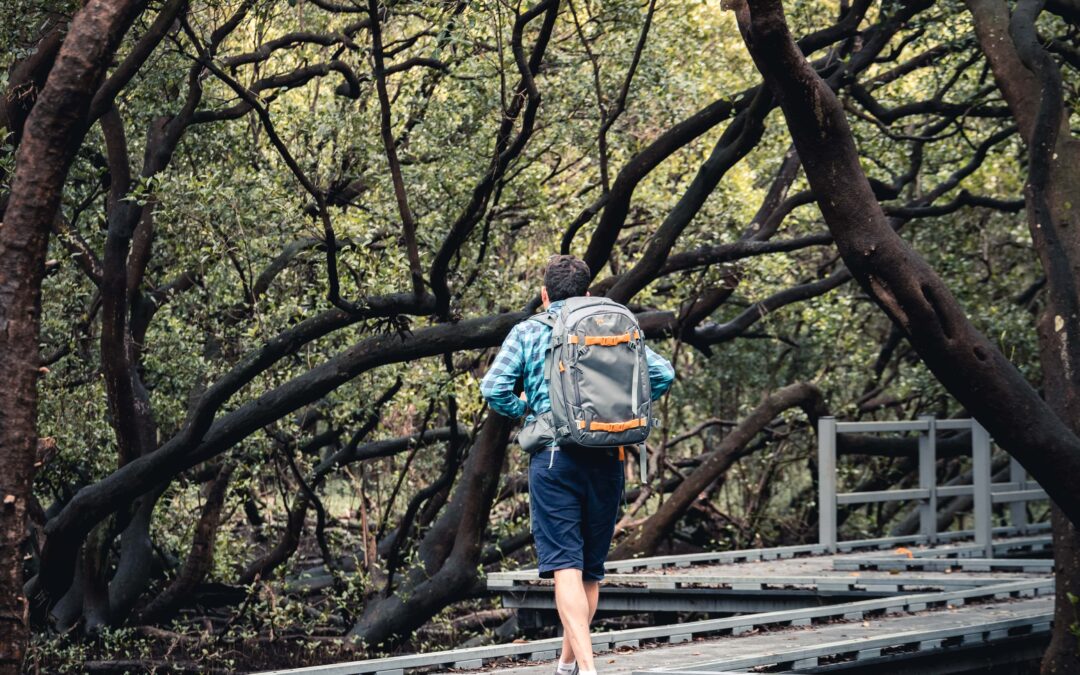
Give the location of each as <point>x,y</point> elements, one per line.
<point>549,355</point>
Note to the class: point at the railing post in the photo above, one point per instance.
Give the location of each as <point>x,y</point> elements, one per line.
<point>928,479</point>
<point>1018,516</point>
<point>827,483</point>
<point>981,476</point>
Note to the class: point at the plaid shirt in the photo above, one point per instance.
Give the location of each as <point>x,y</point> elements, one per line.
<point>522,355</point>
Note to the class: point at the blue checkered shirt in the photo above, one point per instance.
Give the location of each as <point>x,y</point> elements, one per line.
<point>522,355</point>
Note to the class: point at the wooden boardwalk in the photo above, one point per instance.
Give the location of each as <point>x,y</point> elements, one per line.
<point>893,604</point>
<point>798,644</point>
<point>861,608</point>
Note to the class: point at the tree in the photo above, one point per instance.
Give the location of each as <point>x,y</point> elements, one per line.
<point>1030,80</point>
<point>291,237</point>
<point>52,133</point>
<point>914,297</point>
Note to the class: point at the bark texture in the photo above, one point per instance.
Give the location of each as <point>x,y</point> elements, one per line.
<point>51,135</point>
<point>1030,82</point>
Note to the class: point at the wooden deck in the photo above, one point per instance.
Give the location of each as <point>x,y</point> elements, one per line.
<point>800,647</point>
<point>844,611</point>
<point>917,603</point>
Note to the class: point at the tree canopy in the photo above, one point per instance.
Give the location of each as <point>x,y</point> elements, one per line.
<point>256,256</point>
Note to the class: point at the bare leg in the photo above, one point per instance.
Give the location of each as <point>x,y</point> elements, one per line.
<point>592,591</point>
<point>576,600</point>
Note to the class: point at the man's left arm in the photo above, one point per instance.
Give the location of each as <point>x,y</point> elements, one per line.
<point>497,387</point>
<point>661,374</point>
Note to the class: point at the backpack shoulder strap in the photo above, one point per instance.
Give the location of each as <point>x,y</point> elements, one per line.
<point>545,318</point>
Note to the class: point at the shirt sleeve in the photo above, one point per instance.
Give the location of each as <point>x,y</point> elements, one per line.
<point>497,387</point>
<point>661,374</point>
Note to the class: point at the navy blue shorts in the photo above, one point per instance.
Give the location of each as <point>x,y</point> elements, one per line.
<point>574,498</point>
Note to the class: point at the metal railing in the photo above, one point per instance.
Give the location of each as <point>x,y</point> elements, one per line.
<point>1017,492</point>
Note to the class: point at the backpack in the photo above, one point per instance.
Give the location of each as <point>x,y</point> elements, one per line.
<point>597,374</point>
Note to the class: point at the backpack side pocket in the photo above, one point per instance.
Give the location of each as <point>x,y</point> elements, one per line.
<point>538,434</point>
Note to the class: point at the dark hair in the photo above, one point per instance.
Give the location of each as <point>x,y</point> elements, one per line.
<point>565,277</point>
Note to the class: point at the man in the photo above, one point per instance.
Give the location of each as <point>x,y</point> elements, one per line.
<point>574,492</point>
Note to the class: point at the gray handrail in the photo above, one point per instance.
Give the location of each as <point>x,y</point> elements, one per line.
<point>1017,493</point>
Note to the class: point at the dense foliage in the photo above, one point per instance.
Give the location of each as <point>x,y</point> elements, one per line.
<point>227,253</point>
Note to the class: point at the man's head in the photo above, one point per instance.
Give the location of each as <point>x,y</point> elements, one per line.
<point>564,277</point>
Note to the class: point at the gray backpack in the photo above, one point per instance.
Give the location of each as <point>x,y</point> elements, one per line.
<point>598,377</point>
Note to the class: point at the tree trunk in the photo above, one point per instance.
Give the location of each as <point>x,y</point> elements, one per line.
<point>1061,655</point>
<point>911,293</point>
<point>51,135</point>
<point>906,288</point>
<point>201,556</point>
<point>1030,82</point>
<point>451,549</point>
<point>262,566</point>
